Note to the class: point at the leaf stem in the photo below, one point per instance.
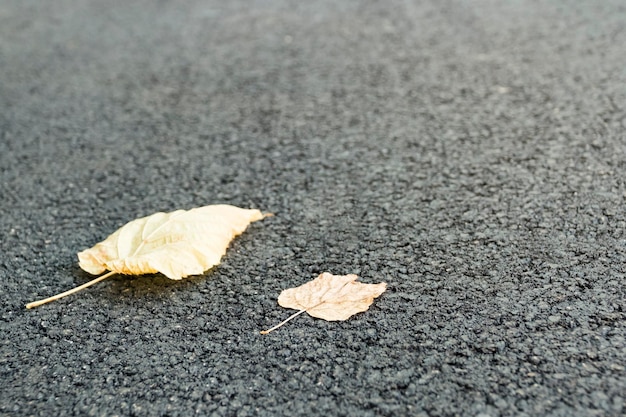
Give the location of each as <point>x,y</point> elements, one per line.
<point>72,291</point>
<point>283,322</point>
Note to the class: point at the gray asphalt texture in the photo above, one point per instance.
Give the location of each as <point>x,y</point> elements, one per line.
<point>471,154</point>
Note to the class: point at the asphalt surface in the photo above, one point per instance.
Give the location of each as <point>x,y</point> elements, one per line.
<point>471,154</point>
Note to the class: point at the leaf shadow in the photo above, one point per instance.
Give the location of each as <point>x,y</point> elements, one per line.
<point>136,287</point>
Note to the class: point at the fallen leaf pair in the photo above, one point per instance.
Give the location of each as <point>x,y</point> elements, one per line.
<point>183,243</point>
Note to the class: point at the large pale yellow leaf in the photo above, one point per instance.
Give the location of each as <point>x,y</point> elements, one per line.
<point>176,244</point>
<point>330,297</point>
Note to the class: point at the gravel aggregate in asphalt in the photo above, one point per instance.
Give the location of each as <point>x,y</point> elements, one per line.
<point>471,154</point>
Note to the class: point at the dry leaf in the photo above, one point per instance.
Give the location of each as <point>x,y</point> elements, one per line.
<point>177,244</point>
<point>330,297</point>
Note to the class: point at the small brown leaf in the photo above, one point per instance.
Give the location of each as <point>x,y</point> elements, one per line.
<point>330,297</point>
<point>176,244</point>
